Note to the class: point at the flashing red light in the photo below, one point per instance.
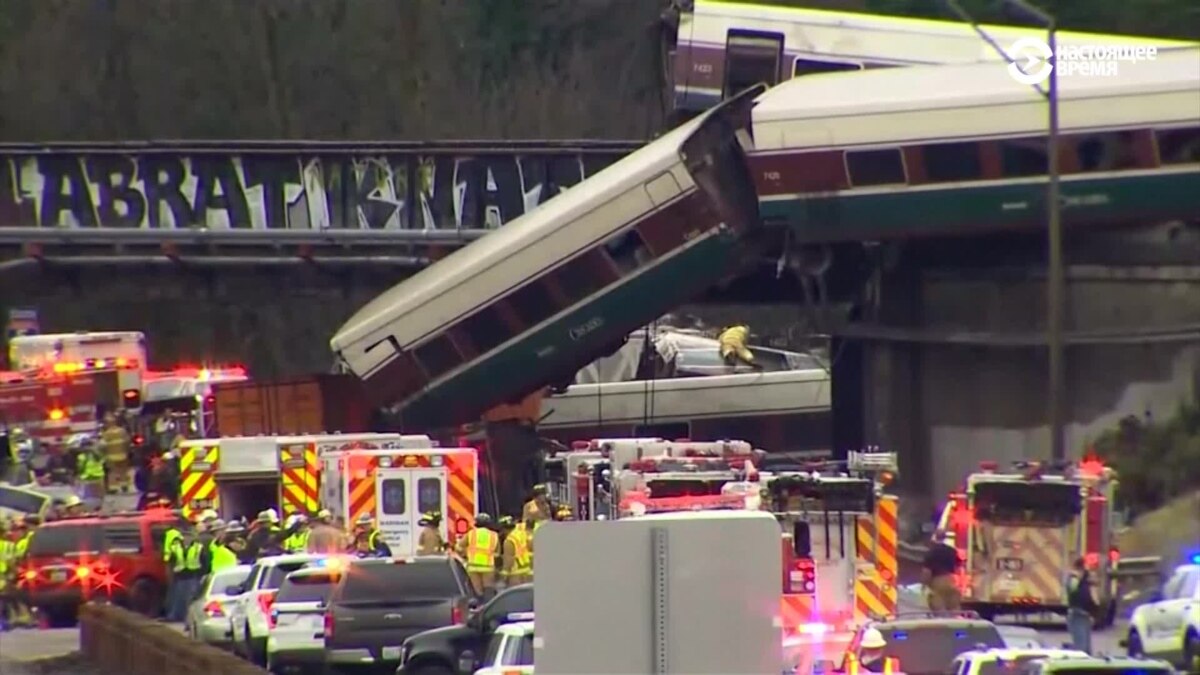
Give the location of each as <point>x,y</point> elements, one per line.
<point>57,414</point>
<point>266,601</point>
<point>30,575</point>
<point>461,526</point>
<point>989,466</point>
<point>1092,560</point>
<point>456,614</point>
<point>139,439</point>
<point>215,610</point>
<point>580,445</point>
<point>328,625</point>
<point>1114,556</point>
<point>132,398</point>
<point>82,572</point>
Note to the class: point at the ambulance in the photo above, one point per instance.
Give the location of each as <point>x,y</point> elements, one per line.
<point>395,487</point>
<point>243,475</point>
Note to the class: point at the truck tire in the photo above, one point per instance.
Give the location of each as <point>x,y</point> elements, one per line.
<point>1133,646</point>
<point>146,597</point>
<point>1191,652</point>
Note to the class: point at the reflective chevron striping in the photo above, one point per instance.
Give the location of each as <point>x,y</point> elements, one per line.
<point>197,477</point>
<point>875,595</point>
<point>299,486</point>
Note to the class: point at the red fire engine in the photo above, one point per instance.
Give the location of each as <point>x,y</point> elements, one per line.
<point>51,406</point>
<point>1019,531</point>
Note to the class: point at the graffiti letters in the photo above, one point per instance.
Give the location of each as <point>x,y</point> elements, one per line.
<point>175,190</point>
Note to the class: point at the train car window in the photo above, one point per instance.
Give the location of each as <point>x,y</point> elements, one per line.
<point>803,66</point>
<point>438,356</point>
<point>628,251</point>
<point>486,329</point>
<point>1023,157</point>
<point>946,162</point>
<point>1107,152</point>
<point>581,277</point>
<point>532,303</point>
<point>875,167</point>
<point>1178,146</point>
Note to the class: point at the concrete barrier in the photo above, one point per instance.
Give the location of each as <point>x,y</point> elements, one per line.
<point>119,641</point>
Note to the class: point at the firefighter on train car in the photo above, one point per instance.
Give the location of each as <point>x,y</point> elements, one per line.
<point>732,344</point>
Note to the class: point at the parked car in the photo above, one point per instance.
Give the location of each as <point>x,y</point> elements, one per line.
<point>1168,627</point>
<point>252,601</point>
<point>379,603</point>
<point>1005,661</point>
<point>926,643</point>
<point>115,557</point>
<point>207,619</point>
<point>458,648</point>
<point>510,651</point>
<point>296,637</point>
<point>1107,665</point>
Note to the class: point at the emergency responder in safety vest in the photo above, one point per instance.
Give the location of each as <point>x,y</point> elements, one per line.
<point>115,441</point>
<point>732,343</point>
<point>8,565</point>
<point>187,571</point>
<point>264,535</point>
<point>20,534</point>
<point>518,558</point>
<point>368,540</point>
<point>89,467</point>
<point>538,506</point>
<point>430,542</point>
<point>478,549</point>
<point>72,507</point>
<point>870,657</point>
<point>295,535</point>
<point>173,552</point>
<point>217,556</point>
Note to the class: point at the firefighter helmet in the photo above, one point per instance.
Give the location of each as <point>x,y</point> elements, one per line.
<point>872,639</point>
<point>483,520</point>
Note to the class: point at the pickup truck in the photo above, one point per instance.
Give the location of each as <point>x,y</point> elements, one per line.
<point>459,649</point>
<point>379,603</point>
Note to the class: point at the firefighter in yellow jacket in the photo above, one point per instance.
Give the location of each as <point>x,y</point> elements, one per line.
<point>732,341</point>
<point>430,541</point>
<point>538,506</point>
<point>517,567</point>
<point>479,548</point>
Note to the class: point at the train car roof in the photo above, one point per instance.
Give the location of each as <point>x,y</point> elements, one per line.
<point>447,274</point>
<point>882,38</point>
<point>869,106</point>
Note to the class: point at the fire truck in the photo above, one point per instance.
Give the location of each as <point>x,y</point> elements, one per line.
<point>1019,531</point>
<point>241,476</point>
<point>51,404</point>
<point>396,487</point>
<point>81,352</point>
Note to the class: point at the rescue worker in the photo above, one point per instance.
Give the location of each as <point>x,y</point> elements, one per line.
<point>115,441</point>
<point>538,506</point>
<point>173,552</point>
<point>88,467</point>
<point>263,537</point>
<point>72,507</point>
<point>368,540</point>
<point>478,548</point>
<point>870,656</point>
<point>21,532</point>
<point>8,551</point>
<point>186,574</point>
<point>295,535</point>
<point>235,540</point>
<point>218,555</point>
<point>325,537</point>
<point>732,343</point>
<point>1081,607</point>
<point>430,541</point>
<point>941,562</point>
<point>21,449</point>
<point>518,558</point>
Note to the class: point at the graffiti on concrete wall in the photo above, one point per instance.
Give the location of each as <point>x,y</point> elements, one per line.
<point>404,190</point>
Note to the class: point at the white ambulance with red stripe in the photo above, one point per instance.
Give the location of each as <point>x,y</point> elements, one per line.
<point>243,475</point>
<point>396,487</point>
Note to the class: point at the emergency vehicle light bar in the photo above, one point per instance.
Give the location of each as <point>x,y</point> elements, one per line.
<point>669,504</point>
<point>88,365</point>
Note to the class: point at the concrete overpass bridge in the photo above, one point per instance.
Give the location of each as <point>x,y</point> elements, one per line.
<point>257,252</point>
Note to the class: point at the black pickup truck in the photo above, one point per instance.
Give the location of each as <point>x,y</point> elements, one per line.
<point>458,649</point>
<point>379,603</point>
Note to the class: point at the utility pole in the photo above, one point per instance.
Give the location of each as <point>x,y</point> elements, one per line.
<point>1055,273</point>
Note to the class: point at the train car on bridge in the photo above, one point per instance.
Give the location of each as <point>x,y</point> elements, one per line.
<point>960,150</point>
<point>722,47</point>
<point>548,293</point>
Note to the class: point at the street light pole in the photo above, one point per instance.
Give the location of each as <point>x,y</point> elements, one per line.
<point>1055,274</point>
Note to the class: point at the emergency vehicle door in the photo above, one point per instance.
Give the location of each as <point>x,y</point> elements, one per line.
<point>402,496</point>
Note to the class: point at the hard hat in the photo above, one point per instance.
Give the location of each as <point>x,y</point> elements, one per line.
<point>540,490</point>
<point>72,500</point>
<point>483,520</point>
<point>563,511</point>
<point>324,514</point>
<point>506,521</point>
<point>208,514</point>
<point>294,520</point>
<point>364,519</point>
<point>217,524</point>
<point>873,639</point>
<point>424,520</point>
<point>272,515</point>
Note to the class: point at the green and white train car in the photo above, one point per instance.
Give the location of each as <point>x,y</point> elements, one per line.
<point>548,293</point>
<point>960,150</point>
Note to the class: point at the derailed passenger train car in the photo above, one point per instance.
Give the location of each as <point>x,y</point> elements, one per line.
<point>548,293</point>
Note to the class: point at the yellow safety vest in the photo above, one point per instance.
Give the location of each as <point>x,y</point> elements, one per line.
<point>524,557</point>
<point>90,468</point>
<point>23,545</point>
<point>296,542</point>
<point>190,558</point>
<point>222,557</point>
<point>7,549</point>
<point>481,550</point>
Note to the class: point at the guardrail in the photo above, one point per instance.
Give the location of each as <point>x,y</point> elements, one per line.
<point>120,641</point>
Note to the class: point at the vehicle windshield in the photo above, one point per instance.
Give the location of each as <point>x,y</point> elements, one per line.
<point>928,649</point>
<point>225,579</point>
<point>1022,502</point>
<point>278,572</point>
<point>21,500</point>
<point>306,588</point>
<point>414,580</point>
<point>75,539</point>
